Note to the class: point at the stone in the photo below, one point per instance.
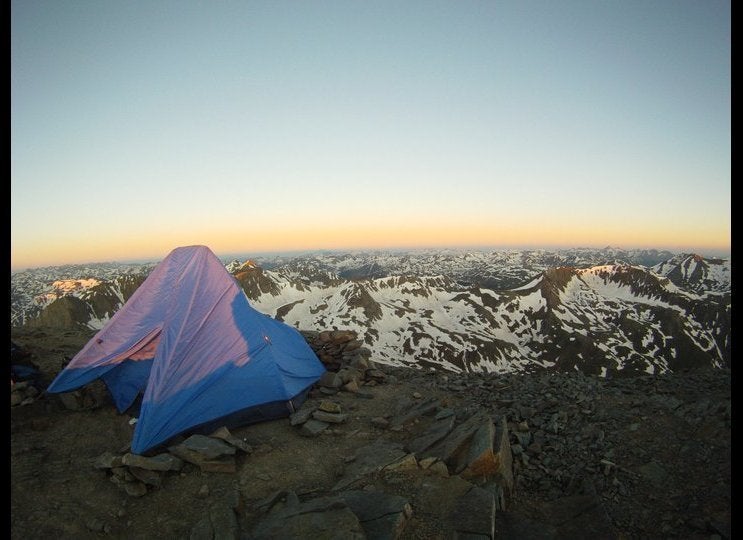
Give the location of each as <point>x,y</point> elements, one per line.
<point>330,380</point>
<point>524,438</point>
<point>224,523</point>
<point>449,447</point>
<point>353,345</point>
<point>224,434</point>
<point>381,515</point>
<point>301,416</point>
<point>151,478</point>
<point>108,460</point>
<point>489,455</point>
<point>375,374</point>
<point>224,463</point>
<point>464,508</point>
<point>359,362</point>
<point>313,427</point>
<point>330,418</point>
<point>474,514</point>
<point>351,387</point>
<point>436,432</point>
<point>369,459</point>
<point>480,459</point>
<point>574,516</point>
<point>406,463</point>
<point>380,422</point>
<point>343,336</point>
<point>349,374</point>
<point>123,473</point>
<point>423,409</point>
<point>160,462</point>
<point>71,400</point>
<point>439,468</point>
<point>444,413</point>
<point>327,518</point>
<point>330,407</point>
<point>534,448</point>
<point>135,489</point>
<point>208,447</point>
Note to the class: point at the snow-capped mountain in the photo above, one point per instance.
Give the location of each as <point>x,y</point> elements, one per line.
<point>696,273</point>
<point>33,290</point>
<point>603,319</point>
<point>494,269</point>
<point>89,306</point>
<point>600,316</point>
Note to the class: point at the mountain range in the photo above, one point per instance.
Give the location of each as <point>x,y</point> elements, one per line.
<point>608,312</point>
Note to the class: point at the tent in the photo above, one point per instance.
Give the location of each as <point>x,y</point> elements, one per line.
<point>200,356</point>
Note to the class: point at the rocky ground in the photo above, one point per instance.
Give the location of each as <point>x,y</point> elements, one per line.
<point>382,452</point>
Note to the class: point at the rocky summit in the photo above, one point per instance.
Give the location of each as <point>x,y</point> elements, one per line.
<point>382,451</point>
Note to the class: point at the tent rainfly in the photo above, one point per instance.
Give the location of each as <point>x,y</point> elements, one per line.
<point>200,355</point>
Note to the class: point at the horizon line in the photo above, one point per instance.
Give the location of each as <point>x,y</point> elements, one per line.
<point>223,255</point>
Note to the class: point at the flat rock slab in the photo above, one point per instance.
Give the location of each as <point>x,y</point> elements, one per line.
<point>209,447</point>
<point>313,428</point>
<point>224,434</point>
<point>224,464</point>
<point>474,514</point>
<point>449,448</point>
<point>436,432</point>
<point>330,418</point>
<point>466,509</point>
<point>108,460</point>
<point>326,518</point>
<point>577,516</point>
<point>381,515</point>
<point>148,477</point>
<point>329,407</point>
<point>369,505</point>
<point>330,379</point>
<point>301,416</point>
<point>489,455</point>
<point>369,459</point>
<point>427,407</point>
<point>160,462</point>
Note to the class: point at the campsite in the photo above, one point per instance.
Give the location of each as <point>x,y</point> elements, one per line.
<point>192,415</point>
<point>641,457</point>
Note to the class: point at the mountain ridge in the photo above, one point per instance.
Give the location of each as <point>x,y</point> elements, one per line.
<point>604,319</point>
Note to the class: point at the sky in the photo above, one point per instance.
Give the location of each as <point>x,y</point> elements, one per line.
<point>259,126</point>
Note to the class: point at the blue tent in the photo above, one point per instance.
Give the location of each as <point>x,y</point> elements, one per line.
<point>200,355</point>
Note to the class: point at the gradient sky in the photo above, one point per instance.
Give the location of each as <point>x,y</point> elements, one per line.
<point>141,126</point>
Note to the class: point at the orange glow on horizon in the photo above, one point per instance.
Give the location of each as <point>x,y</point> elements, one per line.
<point>261,238</point>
